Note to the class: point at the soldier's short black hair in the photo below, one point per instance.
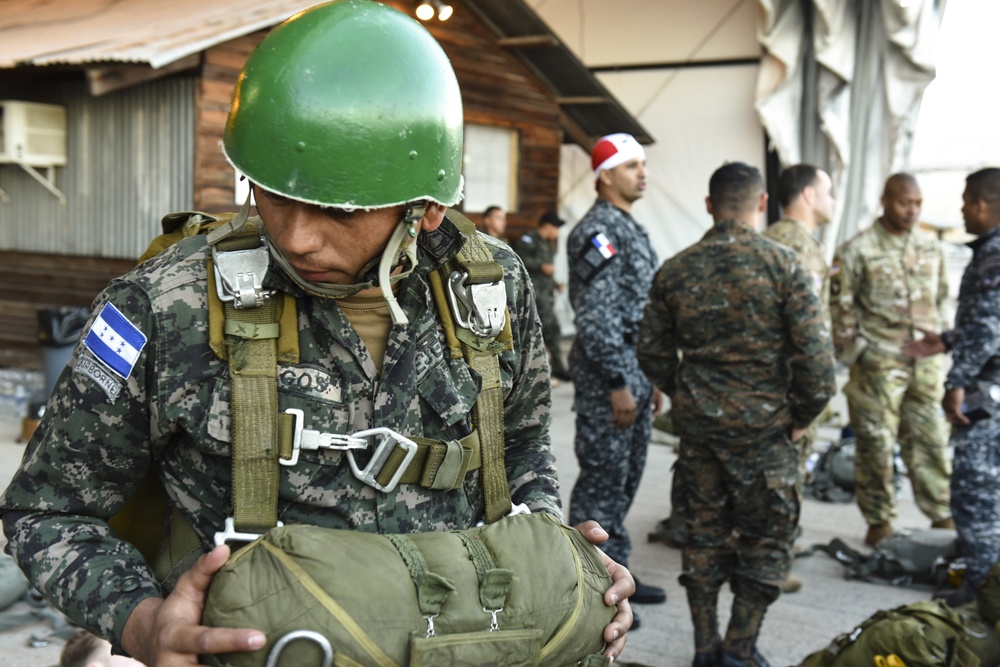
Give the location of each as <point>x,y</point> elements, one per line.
<point>793,180</point>
<point>551,218</point>
<point>984,184</point>
<point>735,187</point>
<point>490,209</point>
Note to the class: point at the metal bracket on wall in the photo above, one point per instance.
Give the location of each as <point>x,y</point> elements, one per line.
<point>47,181</point>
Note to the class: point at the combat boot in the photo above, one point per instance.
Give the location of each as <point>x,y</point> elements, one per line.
<point>645,594</point>
<point>707,659</point>
<point>877,532</point>
<point>726,659</point>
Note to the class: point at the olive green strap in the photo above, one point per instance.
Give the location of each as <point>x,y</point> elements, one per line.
<point>258,430</point>
<point>253,365</point>
<point>494,582</point>
<point>432,589</point>
<point>482,355</point>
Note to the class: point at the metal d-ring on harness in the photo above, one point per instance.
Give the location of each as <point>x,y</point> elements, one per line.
<point>387,441</point>
<point>279,646</point>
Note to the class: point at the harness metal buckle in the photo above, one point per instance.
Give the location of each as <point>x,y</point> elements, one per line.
<point>388,442</point>
<point>239,276</point>
<point>279,646</point>
<point>310,439</point>
<point>230,534</point>
<point>484,305</point>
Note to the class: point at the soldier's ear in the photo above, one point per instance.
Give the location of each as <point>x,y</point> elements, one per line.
<point>433,216</point>
<point>708,205</point>
<point>762,204</point>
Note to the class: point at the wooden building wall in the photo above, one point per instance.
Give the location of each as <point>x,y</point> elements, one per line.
<point>31,282</point>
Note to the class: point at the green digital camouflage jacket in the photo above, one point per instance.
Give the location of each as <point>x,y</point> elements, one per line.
<point>733,333</point>
<point>156,395</point>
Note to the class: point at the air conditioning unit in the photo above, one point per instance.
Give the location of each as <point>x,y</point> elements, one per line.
<point>32,133</point>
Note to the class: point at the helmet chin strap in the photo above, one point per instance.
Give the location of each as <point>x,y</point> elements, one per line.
<point>399,246</point>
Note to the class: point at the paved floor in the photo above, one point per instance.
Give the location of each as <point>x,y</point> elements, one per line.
<point>796,625</point>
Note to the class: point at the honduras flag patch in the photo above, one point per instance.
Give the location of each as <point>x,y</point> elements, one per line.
<point>115,341</point>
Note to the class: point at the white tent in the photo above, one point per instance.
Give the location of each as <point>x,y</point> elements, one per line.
<point>692,73</point>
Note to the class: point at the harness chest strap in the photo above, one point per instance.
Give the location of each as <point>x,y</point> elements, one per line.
<point>254,339</point>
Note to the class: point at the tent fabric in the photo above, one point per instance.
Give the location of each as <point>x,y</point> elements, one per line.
<point>840,85</point>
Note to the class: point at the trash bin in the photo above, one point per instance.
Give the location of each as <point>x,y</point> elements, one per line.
<point>59,330</point>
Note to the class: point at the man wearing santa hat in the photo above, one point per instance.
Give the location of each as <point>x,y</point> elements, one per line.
<point>611,268</point>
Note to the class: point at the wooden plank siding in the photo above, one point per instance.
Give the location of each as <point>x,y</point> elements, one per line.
<point>30,282</point>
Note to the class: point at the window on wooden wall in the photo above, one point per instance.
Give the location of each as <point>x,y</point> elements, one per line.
<point>490,168</point>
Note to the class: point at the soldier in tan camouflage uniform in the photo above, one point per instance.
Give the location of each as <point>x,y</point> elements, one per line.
<point>733,332</point>
<point>352,224</point>
<point>886,283</point>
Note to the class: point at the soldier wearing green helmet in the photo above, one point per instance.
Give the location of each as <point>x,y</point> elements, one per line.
<point>321,318</point>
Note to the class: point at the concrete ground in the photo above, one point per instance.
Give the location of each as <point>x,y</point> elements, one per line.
<point>796,625</point>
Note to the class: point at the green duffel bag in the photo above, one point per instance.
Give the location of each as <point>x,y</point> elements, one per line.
<point>525,590</point>
<point>927,633</point>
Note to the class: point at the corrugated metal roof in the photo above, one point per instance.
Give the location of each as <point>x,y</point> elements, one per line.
<point>153,32</point>
<point>582,99</point>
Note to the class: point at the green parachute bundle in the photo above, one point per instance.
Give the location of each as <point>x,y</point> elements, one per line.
<point>525,590</point>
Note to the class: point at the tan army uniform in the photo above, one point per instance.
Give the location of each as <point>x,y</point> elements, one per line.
<point>881,288</point>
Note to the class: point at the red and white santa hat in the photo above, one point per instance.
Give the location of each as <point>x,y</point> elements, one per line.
<point>613,150</point>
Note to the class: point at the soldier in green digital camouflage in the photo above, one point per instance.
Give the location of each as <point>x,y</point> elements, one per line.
<point>733,332</point>
<point>347,120</point>
<point>537,249</point>
<point>885,284</point>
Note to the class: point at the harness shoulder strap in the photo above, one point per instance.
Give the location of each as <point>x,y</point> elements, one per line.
<point>480,339</point>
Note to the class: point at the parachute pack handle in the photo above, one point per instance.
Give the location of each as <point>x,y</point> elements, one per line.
<point>315,637</point>
<point>433,590</point>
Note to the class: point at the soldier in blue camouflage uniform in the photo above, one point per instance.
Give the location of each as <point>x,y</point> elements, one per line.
<point>975,374</point>
<point>146,391</point>
<point>734,334</point>
<point>537,249</point>
<point>611,266</point>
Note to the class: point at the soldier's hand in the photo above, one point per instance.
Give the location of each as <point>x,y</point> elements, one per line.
<point>927,346</point>
<point>622,587</point>
<point>167,632</point>
<point>952,404</point>
<point>622,408</point>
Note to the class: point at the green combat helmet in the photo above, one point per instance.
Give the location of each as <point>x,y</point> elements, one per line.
<point>349,104</point>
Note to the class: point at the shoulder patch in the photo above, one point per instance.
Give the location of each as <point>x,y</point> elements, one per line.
<point>989,272</point>
<point>526,239</point>
<point>596,254</point>
<point>99,373</point>
<point>115,341</point>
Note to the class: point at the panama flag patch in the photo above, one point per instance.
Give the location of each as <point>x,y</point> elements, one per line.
<point>115,341</point>
<point>603,245</point>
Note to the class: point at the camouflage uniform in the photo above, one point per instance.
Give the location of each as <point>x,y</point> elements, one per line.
<point>734,334</point>
<point>975,481</point>
<point>535,252</point>
<point>612,264</point>
<point>810,253</point>
<point>882,286</point>
<point>173,413</point>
